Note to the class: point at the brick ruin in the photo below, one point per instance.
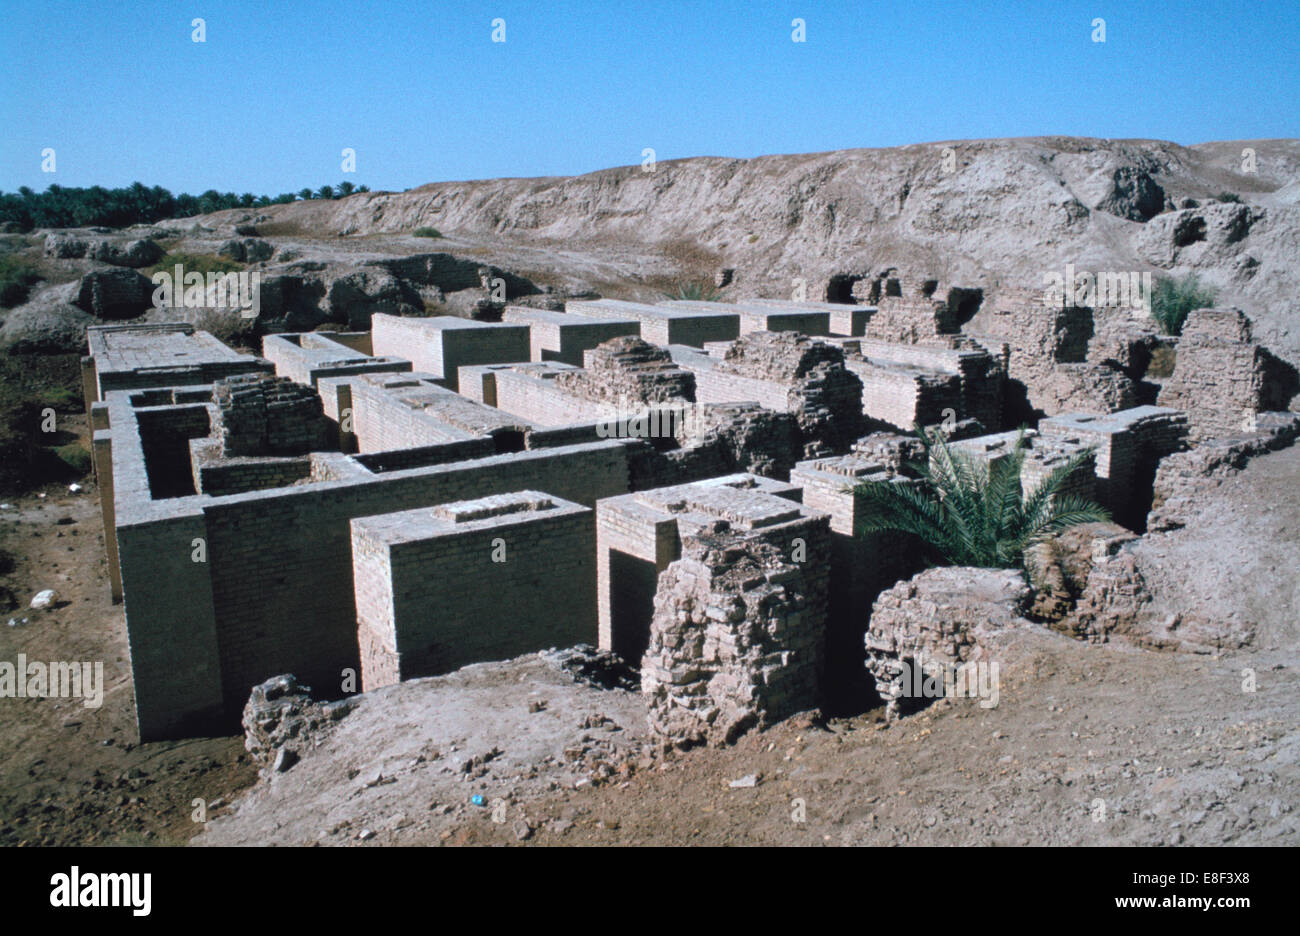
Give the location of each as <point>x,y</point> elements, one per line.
<point>443,491</point>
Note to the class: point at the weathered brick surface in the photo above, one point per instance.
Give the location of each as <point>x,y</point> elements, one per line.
<point>737,640</point>
<point>1222,376</point>
<point>470,581</point>
<point>950,615</point>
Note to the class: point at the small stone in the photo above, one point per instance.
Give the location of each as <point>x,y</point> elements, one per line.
<point>745,782</point>
<point>365,835</point>
<point>522,830</point>
<point>45,599</point>
<point>284,759</point>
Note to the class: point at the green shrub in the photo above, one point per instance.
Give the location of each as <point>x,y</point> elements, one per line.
<point>75,456</point>
<point>1174,298</point>
<point>1228,197</point>
<point>972,513</point>
<point>697,292</point>
<point>16,279</point>
<point>426,232</point>
<point>195,263</point>
<point>62,399</point>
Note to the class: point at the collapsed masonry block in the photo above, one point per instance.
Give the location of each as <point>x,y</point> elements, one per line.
<point>938,621</point>
<point>737,637</point>
<point>1182,479</point>
<point>789,373</point>
<point>982,374</point>
<point>630,369</point>
<point>903,396</point>
<point>639,535</point>
<point>443,344</point>
<point>471,581</point>
<point>559,336</point>
<point>267,416</point>
<point>663,325</point>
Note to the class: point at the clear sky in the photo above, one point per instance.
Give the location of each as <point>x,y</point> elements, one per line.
<point>421,92</point>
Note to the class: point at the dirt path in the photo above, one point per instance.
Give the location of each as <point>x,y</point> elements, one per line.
<point>72,775</point>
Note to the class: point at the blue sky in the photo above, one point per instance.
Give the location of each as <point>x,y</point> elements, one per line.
<point>419,90</point>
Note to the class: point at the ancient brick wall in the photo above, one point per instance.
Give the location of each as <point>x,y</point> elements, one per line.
<point>738,633</point>
<point>472,581</point>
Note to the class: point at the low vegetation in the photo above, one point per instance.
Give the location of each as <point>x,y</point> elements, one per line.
<point>1174,298</point>
<point>699,292</point>
<point>16,278</point>
<point>195,263</point>
<point>971,513</point>
<point>1228,197</point>
<point>59,207</point>
<point>426,232</point>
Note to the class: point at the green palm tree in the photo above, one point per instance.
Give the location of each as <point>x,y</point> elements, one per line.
<point>974,513</point>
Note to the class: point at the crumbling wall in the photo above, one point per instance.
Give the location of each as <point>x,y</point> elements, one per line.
<point>943,616</point>
<point>736,641</point>
<point>909,320</point>
<point>825,398</point>
<point>628,369</point>
<point>1185,476</point>
<point>1223,377</point>
<point>1119,604</point>
<point>1049,356</point>
<point>268,416</point>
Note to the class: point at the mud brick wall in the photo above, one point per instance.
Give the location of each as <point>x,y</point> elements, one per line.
<point>1222,376</point>
<point>1043,455</point>
<point>441,453</point>
<point>268,416</point>
<point>307,357</point>
<point>862,565</point>
<point>434,598</point>
<point>982,374</point>
<point>281,562</point>
<point>383,422</point>
<point>844,319</point>
<point>663,325</point>
<point>130,357</point>
<point>756,318</point>
<point>903,396</point>
<point>910,320</point>
<point>638,536</point>
<point>714,384</point>
<point>1129,446</point>
<point>217,476</point>
<point>544,401</point>
<point>558,336</point>
<point>443,344</point>
<point>171,631</point>
<point>392,413</point>
<point>737,640</point>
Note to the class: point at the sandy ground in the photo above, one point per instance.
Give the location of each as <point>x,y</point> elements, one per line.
<point>1088,744</point>
<point>72,775</point>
